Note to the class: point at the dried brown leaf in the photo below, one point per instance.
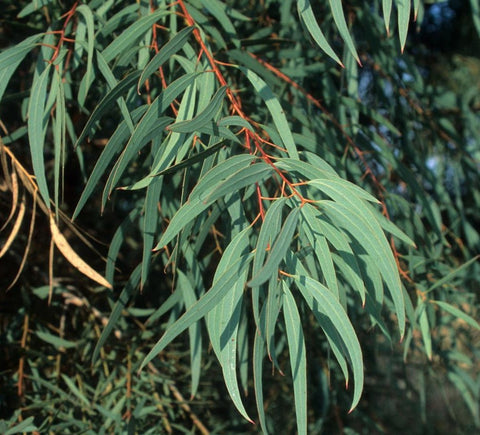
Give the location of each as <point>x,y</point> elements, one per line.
<point>74,259</point>
<point>16,227</point>
<point>14,188</point>
<point>27,248</point>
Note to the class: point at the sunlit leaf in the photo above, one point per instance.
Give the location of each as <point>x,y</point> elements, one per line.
<point>306,13</point>
<point>339,17</point>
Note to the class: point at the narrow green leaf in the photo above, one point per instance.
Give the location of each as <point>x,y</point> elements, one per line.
<point>258,355</point>
<point>132,34</point>
<point>76,392</point>
<point>165,53</point>
<point>148,127</point>
<point>219,173</point>
<point>56,341</point>
<point>387,11</point>
<point>245,177</point>
<point>344,259</point>
<point>391,228</point>
<point>33,6</point>
<point>339,17</point>
<point>268,232</point>
<point>243,349</point>
<point>113,147</point>
<point>379,252</point>
<point>462,385</point>
<point>24,426</point>
<point>223,321</point>
<point>203,117</point>
<point>87,79</point>
<point>475,6</point>
<point>127,292</point>
<point>307,170</point>
<point>404,10</point>
<point>103,106</point>
<point>11,58</point>
<point>196,203</point>
<point>37,124</point>
<point>150,224</point>
<point>275,109</point>
<point>194,331</point>
<point>424,325</point>
<point>453,273</point>
<point>112,83</point>
<point>457,313</point>
<point>334,340</point>
<point>305,12</point>
<point>416,7</point>
<point>320,247</point>
<point>115,244</point>
<point>357,218</point>
<point>218,10</point>
<point>58,135</point>
<point>195,158</point>
<point>211,298</point>
<point>272,305</point>
<point>298,361</point>
<point>279,248</point>
<point>235,120</point>
<point>336,324</point>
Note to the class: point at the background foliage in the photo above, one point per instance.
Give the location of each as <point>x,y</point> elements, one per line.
<point>292,184</point>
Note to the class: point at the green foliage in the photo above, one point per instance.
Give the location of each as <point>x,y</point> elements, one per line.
<point>263,197</point>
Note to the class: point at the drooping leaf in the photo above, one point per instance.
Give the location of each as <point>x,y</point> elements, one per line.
<point>457,313</point>
<point>10,59</point>
<point>404,10</point>
<point>339,17</point>
<point>275,109</point>
<point>205,304</point>
<point>166,52</point>
<point>298,361</point>
<point>278,250</point>
<point>130,35</point>
<point>306,14</point>
<point>37,125</point>
<point>125,295</point>
<point>336,325</point>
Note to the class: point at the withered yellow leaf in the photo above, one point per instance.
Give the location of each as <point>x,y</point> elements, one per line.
<point>16,227</point>
<point>68,252</point>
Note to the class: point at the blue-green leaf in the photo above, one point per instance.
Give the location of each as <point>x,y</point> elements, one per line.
<point>11,58</point>
<point>339,17</point>
<point>404,9</point>
<point>127,292</point>
<point>37,124</point>
<point>275,109</point>
<point>132,34</point>
<point>305,12</point>
<point>102,107</point>
<point>205,304</point>
<point>278,250</point>
<point>169,49</point>
<point>336,325</point>
<point>87,79</point>
<point>203,117</point>
<point>298,361</point>
<point>194,331</point>
<point>457,313</point>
